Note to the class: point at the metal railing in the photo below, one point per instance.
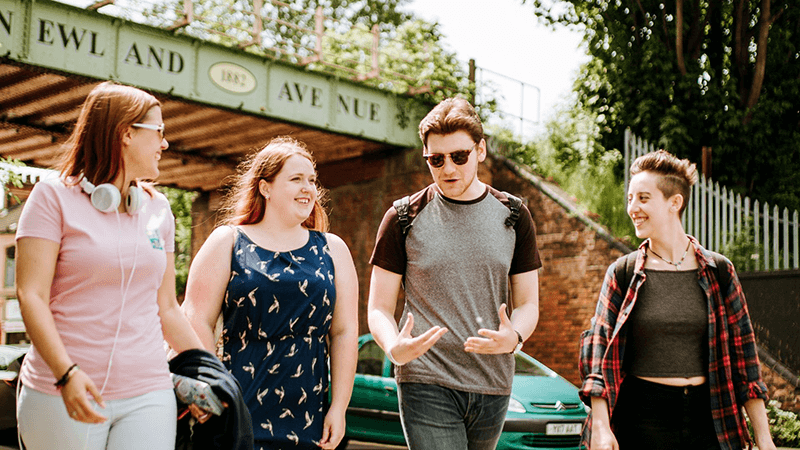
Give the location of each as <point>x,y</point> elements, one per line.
<point>505,90</point>
<point>718,218</point>
<point>249,29</point>
<point>260,27</point>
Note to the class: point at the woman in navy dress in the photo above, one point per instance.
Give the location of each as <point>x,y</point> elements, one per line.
<point>287,292</point>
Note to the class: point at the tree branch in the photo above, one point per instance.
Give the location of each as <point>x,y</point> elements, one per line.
<point>764,22</point>
<point>695,45</point>
<point>679,36</point>
<point>666,30</point>
<point>641,8</point>
<point>740,45</point>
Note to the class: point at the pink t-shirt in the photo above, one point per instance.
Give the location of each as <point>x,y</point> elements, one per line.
<point>86,294</point>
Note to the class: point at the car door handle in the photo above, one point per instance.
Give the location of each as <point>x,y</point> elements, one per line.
<point>388,388</point>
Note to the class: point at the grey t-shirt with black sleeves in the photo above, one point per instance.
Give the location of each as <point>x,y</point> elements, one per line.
<point>456,260</point>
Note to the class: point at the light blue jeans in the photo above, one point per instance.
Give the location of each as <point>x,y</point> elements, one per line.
<point>144,422</point>
<point>436,418</point>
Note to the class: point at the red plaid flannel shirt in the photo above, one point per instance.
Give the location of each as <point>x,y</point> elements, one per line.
<point>733,369</point>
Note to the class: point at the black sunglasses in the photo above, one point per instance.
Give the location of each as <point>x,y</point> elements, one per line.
<point>459,157</point>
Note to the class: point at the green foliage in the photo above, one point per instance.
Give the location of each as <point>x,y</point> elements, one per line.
<point>10,178</point>
<point>413,59</point>
<point>727,88</point>
<point>742,250</point>
<point>784,426</point>
<point>181,203</point>
<point>568,154</point>
<point>285,25</point>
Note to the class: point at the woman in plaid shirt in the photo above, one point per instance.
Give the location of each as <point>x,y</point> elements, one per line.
<point>669,362</point>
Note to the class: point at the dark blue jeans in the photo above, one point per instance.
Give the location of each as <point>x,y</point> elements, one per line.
<point>655,416</point>
<point>436,418</point>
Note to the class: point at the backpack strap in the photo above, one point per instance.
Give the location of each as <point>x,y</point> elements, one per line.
<point>515,205</point>
<point>624,271</point>
<point>401,206</point>
<point>626,265</point>
<point>721,271</point>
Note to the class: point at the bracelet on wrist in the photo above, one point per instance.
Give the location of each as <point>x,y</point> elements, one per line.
<point>520,341</point>
<point>67,375</point>
<point>391,358</point>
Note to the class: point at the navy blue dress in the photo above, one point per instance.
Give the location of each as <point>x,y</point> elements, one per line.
<point>277,312</point>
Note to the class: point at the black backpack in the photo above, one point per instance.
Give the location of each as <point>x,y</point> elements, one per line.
<point>401,206</point>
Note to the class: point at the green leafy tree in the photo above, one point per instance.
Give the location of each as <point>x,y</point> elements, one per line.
<point>568,154</point>
<point>285,27</point>
<point>10,178</point>
<point>689,74</point>
<point>412,57</point>
<point>181,203</point>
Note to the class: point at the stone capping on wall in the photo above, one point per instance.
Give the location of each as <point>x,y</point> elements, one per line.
<point>560,197</point>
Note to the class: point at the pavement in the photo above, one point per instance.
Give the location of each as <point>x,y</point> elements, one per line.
<point>353,445</point>
<point>369,446</point>
<point>356,445</point>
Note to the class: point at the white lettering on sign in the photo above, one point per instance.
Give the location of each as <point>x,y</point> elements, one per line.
<point>232,77</point>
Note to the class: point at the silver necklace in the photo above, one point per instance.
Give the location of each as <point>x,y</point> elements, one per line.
<point>676,264</point>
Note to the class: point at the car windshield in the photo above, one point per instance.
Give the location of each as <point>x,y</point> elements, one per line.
<point>370,359</point>
<point>527,367</point>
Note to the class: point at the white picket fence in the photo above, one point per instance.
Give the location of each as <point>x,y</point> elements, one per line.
<point>715,216</point>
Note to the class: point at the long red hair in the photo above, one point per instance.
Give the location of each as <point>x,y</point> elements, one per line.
<point>94,149</point>
<point>245,205</point>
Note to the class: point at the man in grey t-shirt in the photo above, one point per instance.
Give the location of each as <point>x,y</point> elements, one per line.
<point>458,262</point>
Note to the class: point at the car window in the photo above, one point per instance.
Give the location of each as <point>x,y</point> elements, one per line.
<point>370,359</point>
<point>526,367</point>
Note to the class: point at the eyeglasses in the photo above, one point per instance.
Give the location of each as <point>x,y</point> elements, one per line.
<point>151,126</point>
<point>459,157</point>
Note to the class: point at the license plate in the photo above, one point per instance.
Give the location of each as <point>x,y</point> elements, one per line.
<point>563,428</point>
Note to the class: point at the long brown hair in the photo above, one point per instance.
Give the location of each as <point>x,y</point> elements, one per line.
<point>94,149</point>
<point>245,205</point>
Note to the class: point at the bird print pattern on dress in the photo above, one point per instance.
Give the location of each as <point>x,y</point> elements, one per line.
<point>277,312</point>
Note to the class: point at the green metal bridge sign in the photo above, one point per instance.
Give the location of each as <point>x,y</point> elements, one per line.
<point>56,36</point>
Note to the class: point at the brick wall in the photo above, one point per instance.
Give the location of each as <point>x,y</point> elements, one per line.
<point>356,211</point>
<point>575,256</point>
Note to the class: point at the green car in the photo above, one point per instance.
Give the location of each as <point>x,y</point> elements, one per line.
<point>544,412</point>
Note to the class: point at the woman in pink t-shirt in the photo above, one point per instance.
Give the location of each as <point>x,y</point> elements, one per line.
<point>96,286</point>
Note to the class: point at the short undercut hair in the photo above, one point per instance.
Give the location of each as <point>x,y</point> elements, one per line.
<point>675,176</point>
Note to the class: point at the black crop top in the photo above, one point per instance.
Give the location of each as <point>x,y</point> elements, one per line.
<point>667,332</point>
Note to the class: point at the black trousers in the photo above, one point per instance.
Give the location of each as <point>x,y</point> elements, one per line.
<point>654,416</point>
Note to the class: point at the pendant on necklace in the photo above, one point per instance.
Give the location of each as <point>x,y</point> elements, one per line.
<point>676,264</point>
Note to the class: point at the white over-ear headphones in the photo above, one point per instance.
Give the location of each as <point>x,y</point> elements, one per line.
<point>106,197</point>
